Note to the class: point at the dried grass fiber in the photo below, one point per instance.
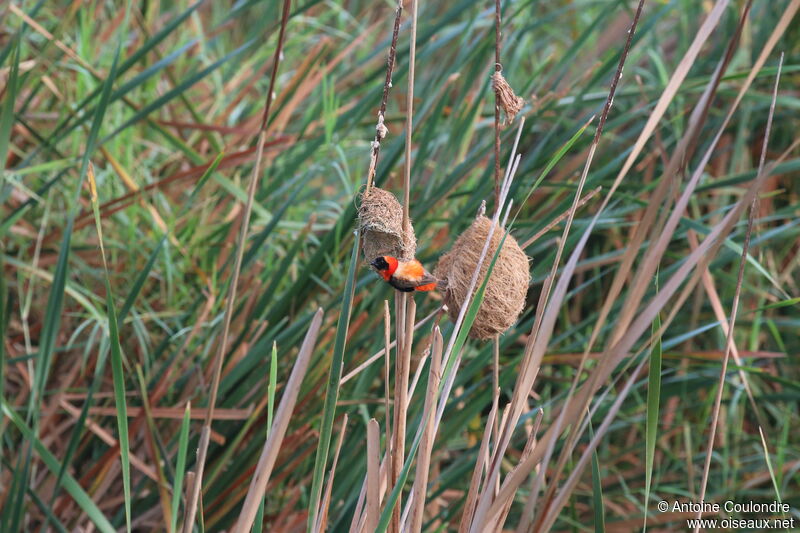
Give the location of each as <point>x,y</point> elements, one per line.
<point>381,222</point>
<point>507,287</point>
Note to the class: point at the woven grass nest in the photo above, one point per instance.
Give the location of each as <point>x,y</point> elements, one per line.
<point>507,287</point>
<point>381,221</point>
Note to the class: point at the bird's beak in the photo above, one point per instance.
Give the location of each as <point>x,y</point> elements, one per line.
<point>374,263</point>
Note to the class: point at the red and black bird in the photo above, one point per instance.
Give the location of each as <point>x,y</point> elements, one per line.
<point>405,276</point>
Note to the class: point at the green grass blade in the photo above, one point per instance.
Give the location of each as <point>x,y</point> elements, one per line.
<point>273,385</point>
<point>332,392</point>
<point>3,322</point>
<point>122,410</point>
<point>258,523</point>
<point>7,116</point>
<point>180,467</point>
<point>116,362</point>
<point>651,429</point>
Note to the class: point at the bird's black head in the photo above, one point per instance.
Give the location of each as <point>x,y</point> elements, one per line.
<point>380,263</point>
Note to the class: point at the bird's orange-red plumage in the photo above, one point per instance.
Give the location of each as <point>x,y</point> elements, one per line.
<point>406,276</point>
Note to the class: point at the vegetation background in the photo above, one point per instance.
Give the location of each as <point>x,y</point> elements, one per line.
<point>114,309</point>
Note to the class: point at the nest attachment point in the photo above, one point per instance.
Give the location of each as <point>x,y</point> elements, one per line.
<point>381,221</point>
<point>507,287</point>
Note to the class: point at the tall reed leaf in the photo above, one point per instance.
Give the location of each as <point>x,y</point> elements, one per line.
<point>653,399</point>
<point>332,391</point>
<point>180,467</point>
<point>116,360</point>
<point>597,489</point>
<point>7,116</point>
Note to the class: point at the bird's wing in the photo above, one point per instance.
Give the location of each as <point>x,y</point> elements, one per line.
<point>404,284</point>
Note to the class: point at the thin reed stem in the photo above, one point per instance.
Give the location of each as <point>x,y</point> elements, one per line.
<point>412,52</point>
<point>497,68</point>
<point>735,306</point>
<point>380,129</point>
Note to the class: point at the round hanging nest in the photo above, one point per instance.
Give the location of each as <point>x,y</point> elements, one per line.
<point>381,221</point>
<point>505,293</point>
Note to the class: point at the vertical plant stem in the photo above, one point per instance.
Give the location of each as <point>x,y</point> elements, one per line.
<point>322,521</point>
<point>426,447</point>
<point>497,68</point>
<point>373,475</point>
<point>202,450</point>
<point>380,130</point>
<point>737,294</point>
<point>387,336</point>
<point>412,51</point>
<point>496,386</point>
<point>402,370</point>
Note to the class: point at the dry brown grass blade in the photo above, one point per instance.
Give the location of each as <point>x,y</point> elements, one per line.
<point>402,371</point>
<point>570,410</point>
<point>660,194</point>
<point>359,522</point>
<point>496,525</point>
<point>617,352</point>
<point>322,512</point>
<point>477,473</point>
<point>488,492</point>
<point>644,275</point>
<point>373,475</point>
<point>282,416</point>
<point>532,358</point>
<point>530,504</point>
<point>387,359</point>
<point>656,251</point>
<point>426,444</point>
<point>719,313</point>
<point>729,344</point>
